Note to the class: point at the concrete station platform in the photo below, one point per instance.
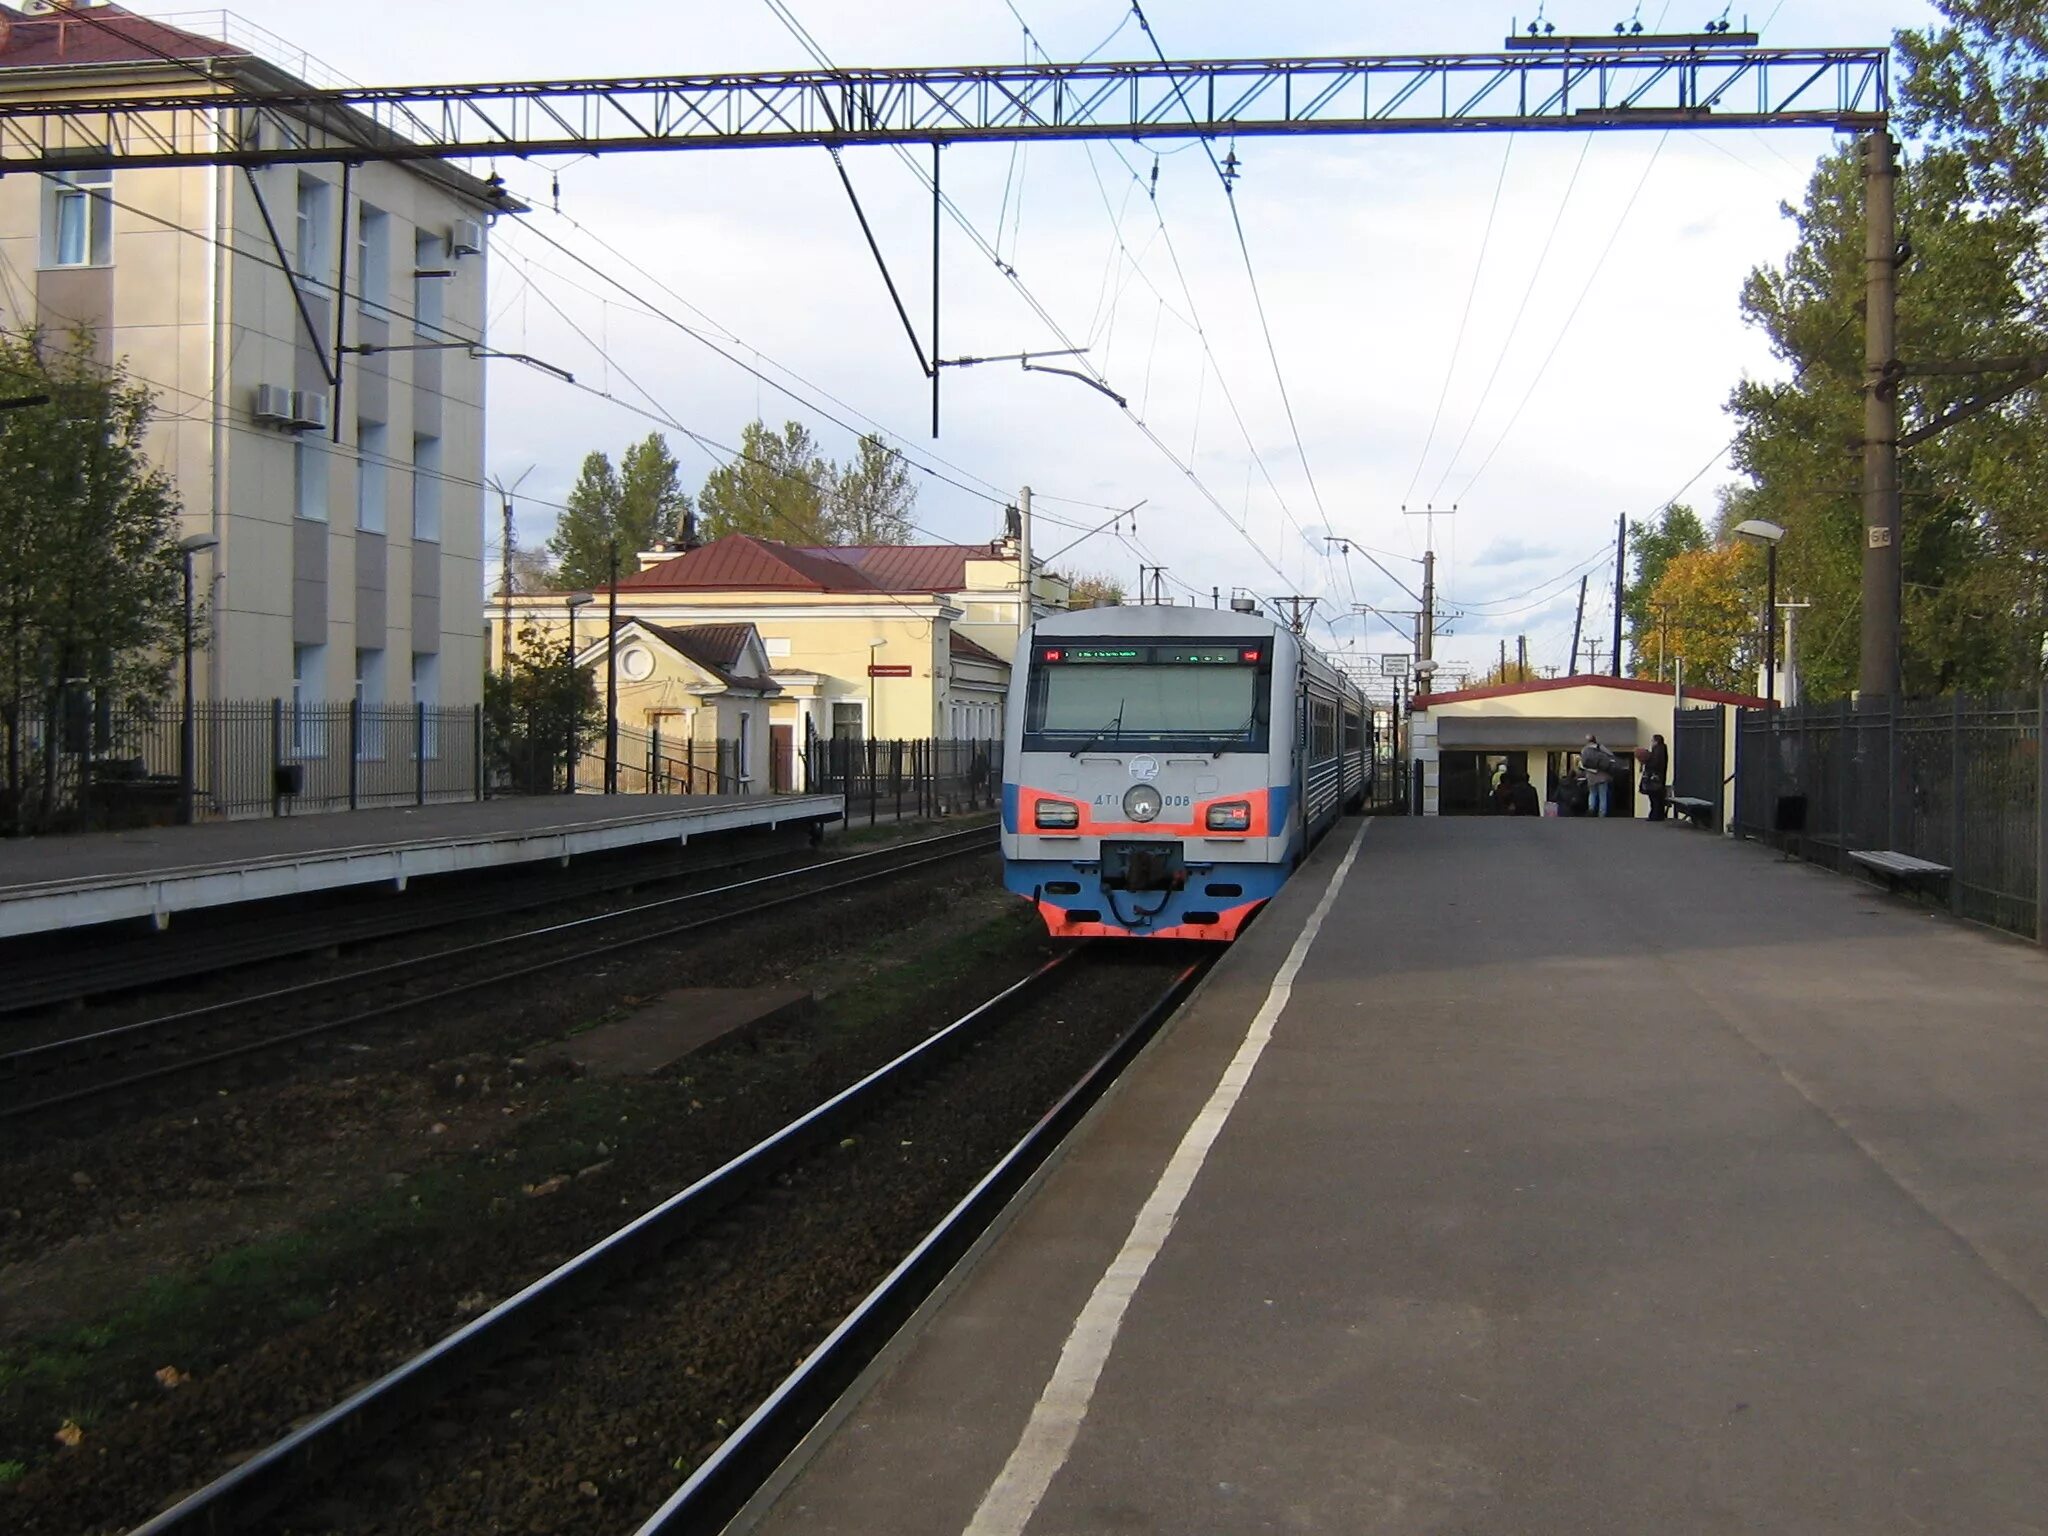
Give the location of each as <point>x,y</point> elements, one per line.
<point>53,883</point>
<point>1597,1178</point>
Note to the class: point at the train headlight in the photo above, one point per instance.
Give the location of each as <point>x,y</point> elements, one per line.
<point>1142,802</point>
<point>1231,816</point>
<point>1059,815</point>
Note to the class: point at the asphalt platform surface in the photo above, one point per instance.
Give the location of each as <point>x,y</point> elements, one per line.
<point>1598,1178</point>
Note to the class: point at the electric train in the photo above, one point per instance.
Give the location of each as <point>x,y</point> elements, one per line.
<point>1165,769</point>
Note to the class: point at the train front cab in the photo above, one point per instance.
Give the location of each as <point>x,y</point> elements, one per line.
<point>1142,799</point>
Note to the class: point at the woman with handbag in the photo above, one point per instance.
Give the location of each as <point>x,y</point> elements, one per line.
<point>1656,765</point>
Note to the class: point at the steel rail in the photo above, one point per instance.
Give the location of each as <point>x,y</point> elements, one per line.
<point>322,1445</point>
<point>744,1462</point>
<point>13,1061</point>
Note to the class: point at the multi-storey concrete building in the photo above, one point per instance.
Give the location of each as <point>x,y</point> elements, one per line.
<point>309,333</point>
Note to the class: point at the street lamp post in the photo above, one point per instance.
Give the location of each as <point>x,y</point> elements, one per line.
<point>188,728</point>
<point>571,694</point>
<point>611,674</point>
<point>1770,535</point>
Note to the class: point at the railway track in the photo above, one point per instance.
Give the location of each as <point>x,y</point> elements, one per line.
<point>73,1070</point>
<point>613,1296</point>
<point>41,981</point>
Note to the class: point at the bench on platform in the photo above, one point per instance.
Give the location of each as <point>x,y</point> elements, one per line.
<point>1695,810</point>
<point>1901,869</point>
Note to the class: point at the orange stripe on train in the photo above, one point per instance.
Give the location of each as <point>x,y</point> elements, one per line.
<point>1196,825</point>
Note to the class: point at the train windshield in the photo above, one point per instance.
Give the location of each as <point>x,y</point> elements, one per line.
<point>1127,698</point>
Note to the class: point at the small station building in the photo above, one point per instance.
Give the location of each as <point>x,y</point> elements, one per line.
<point>1460,739</point>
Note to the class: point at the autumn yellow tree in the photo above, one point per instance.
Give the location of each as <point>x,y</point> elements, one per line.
<point>1706,608</point>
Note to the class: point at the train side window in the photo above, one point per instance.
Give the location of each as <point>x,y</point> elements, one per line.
<point>1323,729</point>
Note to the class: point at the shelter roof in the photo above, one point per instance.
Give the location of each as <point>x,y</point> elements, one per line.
<point>1589,680</point>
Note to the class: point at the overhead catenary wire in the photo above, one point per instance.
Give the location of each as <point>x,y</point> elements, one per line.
<point>1515,325</point>
<point>1031,300</point>
<point>1565,330</point>
<point>1464,319</point>
<point>1258,296</point>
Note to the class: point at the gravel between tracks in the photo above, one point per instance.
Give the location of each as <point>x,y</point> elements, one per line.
<point>590,1431</point>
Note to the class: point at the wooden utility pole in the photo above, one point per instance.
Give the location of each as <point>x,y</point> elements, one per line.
<point>1521,658</point>
<point>1425,624</point>
<point>1578,622</point>
<point>1878,666</point>
<point>1620,555</point>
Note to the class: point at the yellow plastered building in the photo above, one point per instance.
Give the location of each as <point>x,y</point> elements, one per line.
<point>883,642</point>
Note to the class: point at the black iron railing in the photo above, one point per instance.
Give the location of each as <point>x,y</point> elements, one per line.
<point>1955,781</point>
<point>905,778</point>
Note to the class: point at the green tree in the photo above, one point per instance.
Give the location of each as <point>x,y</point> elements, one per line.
<point>1975,497</point>
<point>1093,590</point>
<point>639,504</point>
<point>1977,87</point>
<point>1653,545</point>
<point>872,497</point>
<point>652,502</point>
<point>90,593</point>
<point>778,486</point>
<point>529,709</point>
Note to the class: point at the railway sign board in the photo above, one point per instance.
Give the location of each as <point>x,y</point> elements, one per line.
<point>1394,664</point>
<point>891,670</point>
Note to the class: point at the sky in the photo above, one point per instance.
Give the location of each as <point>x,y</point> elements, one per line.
<point>1541,330</point>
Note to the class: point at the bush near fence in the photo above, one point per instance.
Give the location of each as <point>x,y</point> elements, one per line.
<point>1956,781</point>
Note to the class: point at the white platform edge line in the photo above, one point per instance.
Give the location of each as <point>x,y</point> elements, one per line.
<point>1056,1419</point>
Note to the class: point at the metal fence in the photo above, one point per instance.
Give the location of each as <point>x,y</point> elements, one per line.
<point>906,778</point>
<point>1955,781</point>
<point>263,757</point>
<point>653,764</point>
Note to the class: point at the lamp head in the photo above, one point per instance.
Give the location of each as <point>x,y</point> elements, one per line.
<point>579,599</point>
<point>1763,532</point>
<point>192,544</point>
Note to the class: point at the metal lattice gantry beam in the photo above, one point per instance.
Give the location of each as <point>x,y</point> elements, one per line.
<point>1690,84</point>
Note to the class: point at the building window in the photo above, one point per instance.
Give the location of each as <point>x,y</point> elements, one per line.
<point>371,476</point>
<point>373,258</point>
<point>309,481</point>
<point>78,219</point>
<point>426,489</point>
<point>369,702</point>
<point>744,730</point>
<point>848,719</point>
<point>309,664</point>
<point>315,233</point>
<point>426,695</point>
<point>429,257</point>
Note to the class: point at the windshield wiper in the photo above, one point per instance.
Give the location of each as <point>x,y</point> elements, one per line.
<point>1115,726</point>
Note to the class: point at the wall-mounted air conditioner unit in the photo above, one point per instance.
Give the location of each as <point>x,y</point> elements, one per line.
<point>273,404</point>
<point>309,410</point>
<point>465,238</point>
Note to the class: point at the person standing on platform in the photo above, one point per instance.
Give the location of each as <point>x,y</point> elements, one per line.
<point>1599,765</point>
<point>1516,796</point>
<point>1656,767</point>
